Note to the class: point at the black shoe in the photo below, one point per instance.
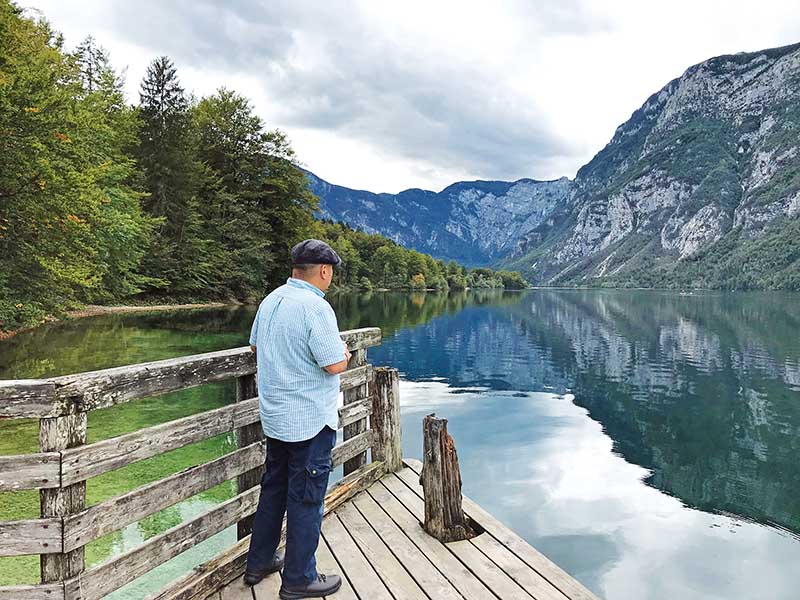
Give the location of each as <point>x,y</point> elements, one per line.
<point>325,585</point>
<point>253,577</point>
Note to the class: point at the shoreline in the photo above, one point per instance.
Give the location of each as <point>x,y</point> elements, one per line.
<point>94,310</point>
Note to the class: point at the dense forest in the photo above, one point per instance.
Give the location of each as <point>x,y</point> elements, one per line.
<point>175,198</point>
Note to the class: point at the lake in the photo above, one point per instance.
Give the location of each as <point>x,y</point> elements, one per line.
<point>645,441</point>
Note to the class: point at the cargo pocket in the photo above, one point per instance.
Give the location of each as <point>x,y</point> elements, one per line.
<point>316,481</point>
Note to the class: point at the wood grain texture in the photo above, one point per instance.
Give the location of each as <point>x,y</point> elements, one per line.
<point>363,578</point>
<point>23,398</point>
<point>209,577</point>
<point>533,583</point>
<point>56,435</point>
<point>237,590</point>
<point>31,536</point>
<point>267,589</point>
<point>489,573</point>
<point>111,575</point>
<point>352,447</point>
<point>119,511</point>
<point>389,569</point>
<point>385,397</point>
<point>91,460</point>
<point>101,389</point>
<point>365,337</point>
<point>30,471</point>
<point>459,576</point>
<point>44,591</point>
<point>441,483</point>
<point>350,396</point>
<point>355,377</point>
<point>327,564</point>
<point>246,387</point>
<point>421,568</point>
<point>355,411</point>
<point>477,563</point>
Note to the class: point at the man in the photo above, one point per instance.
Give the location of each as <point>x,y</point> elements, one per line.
<point>299,355</point>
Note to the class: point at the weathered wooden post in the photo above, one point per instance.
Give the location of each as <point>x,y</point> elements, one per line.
<point>358,359</point>
<point>441,483</point>
<point>385,420</point>
<point>56,434</point>
<point>246,388</point>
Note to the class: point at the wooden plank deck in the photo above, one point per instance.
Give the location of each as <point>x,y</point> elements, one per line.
<point>375,541</point>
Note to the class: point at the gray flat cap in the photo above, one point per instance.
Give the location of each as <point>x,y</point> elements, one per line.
<point>314,252</point>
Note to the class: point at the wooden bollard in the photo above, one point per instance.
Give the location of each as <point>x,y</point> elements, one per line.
<point>441,484</point>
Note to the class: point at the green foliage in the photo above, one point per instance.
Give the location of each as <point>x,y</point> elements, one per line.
<point>68,198</point>
<point>373,261</point>
<point>255,201</point>
<point>736,262</point>
<point>173,175</point>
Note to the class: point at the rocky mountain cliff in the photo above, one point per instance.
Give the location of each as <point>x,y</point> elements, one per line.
<point>699,188</point>
<point>474,223</point>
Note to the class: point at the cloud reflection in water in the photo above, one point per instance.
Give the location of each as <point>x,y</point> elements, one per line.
<point>541,465</point>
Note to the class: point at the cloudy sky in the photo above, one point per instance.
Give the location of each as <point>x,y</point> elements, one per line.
<point>385,95</point>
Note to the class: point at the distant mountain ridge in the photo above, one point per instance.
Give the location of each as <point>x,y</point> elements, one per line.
<point>699,188</point>
<point>474,223</point>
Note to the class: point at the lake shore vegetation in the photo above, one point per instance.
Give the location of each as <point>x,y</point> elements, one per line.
<point>175,199</point>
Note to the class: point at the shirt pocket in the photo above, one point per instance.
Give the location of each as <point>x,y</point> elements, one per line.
<point>316,484</point>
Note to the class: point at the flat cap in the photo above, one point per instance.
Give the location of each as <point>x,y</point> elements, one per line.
<point>314,252</point>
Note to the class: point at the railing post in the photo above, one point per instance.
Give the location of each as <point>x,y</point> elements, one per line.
<point>358,359</point>
<point>56,434</point>
<point>246,388</point>
<point>388,445</point>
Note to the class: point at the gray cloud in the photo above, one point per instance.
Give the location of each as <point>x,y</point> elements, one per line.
<point>386,93</point>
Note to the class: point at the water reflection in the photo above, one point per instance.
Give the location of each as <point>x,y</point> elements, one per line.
<point>700,390</point>
<point>542,466</point>
<point>646,441</point>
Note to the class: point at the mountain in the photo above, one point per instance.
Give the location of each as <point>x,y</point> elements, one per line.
<point>474,223</point>
<point>699,188</point>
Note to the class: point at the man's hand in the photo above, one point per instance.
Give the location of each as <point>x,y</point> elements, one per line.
<point>347,354</point>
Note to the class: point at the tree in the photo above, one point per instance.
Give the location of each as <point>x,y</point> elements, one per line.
<point>258,202</point>
<point>93,64</point>
<point>173,177</point>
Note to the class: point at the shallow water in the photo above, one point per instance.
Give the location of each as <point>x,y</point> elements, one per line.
<point>645,441</point>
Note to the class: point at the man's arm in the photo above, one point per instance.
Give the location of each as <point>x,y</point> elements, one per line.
<point>341,366</point>
<point>326,346</point>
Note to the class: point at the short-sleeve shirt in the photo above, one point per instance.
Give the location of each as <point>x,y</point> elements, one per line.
<point>296,334</point>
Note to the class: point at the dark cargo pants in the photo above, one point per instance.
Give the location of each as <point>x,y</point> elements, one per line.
<point>294,483</point>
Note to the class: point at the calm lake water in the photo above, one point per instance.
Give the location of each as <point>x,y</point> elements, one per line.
<point>647,442</point>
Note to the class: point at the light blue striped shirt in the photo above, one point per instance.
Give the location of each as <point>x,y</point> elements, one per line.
<point>296,334</point>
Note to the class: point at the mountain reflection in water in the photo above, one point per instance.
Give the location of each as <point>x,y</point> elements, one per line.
<point>564,404</point>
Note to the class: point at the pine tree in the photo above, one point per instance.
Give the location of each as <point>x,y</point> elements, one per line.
<point>93,64</point>
<point>173,175</point>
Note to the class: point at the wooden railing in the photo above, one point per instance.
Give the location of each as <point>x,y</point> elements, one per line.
<point>370,419</point>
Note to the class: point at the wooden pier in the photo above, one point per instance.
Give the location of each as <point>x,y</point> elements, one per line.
<point>371,532</point>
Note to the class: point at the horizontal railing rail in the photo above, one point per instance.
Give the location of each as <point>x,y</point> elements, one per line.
<point>92,390</point>
<point>369,419</point>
